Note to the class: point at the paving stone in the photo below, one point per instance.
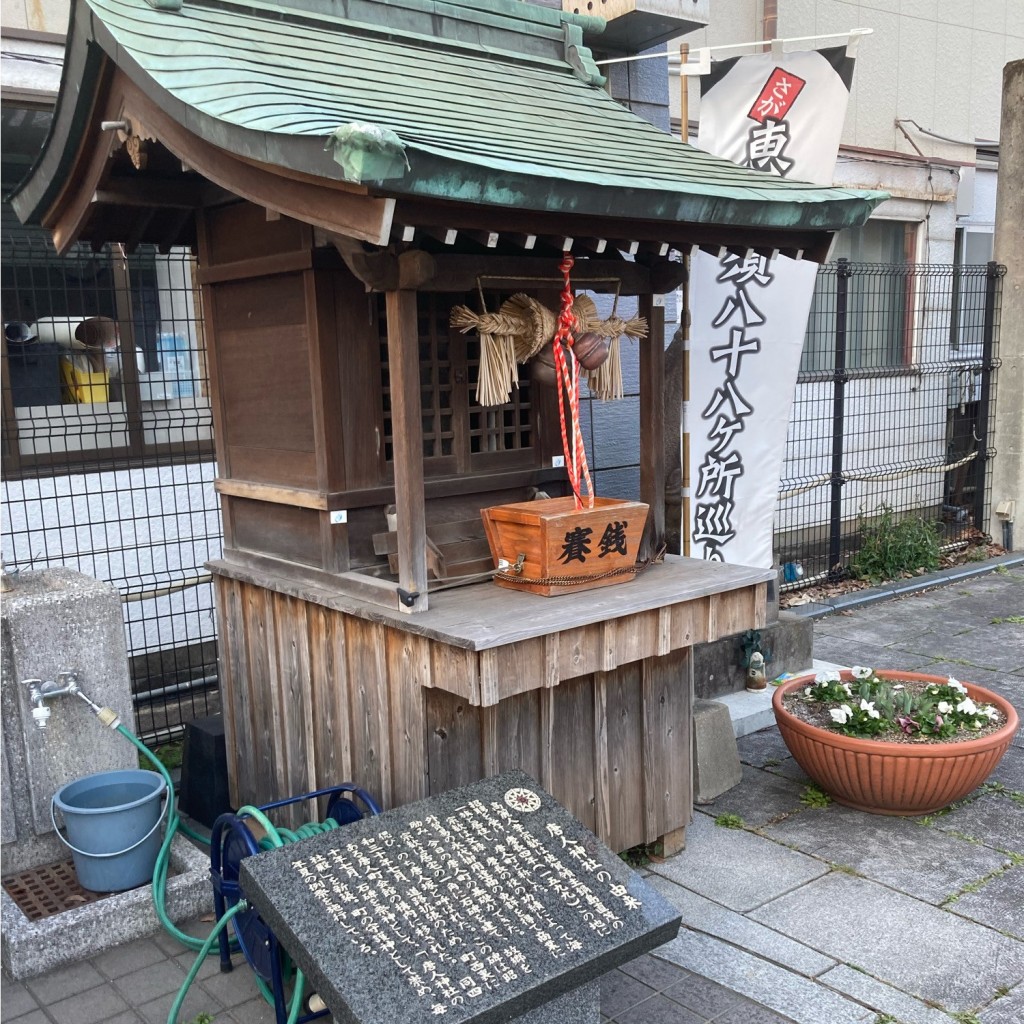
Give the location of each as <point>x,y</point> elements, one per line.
<point>872,626</point>
<point>995,820</point>
<point>196,1002</point>
<point>950,960</point>
<point>32,1017</point>
<point>210,967</point>
<point>146,984</point>
<point>853,652</point>
<point>90,1007</point>
<point>620,991</point>
<point>132,956</point>
<point>999,903</point>
<point>800,999</point>
<point>256,1011</point>
<point>763,748</point>
<point>17,1000</point>
<point>658,974</point>
<point>1008,1009</point>
<point>67,981</point>
<point>736,868</point>
<point>704,916</point>
<point>659,1009</point>
<point>881,997</point>
<point>233,989</point>
<point>998,648</point>
<point>898,852</point>
<point>760,797</point>
<point>1010,770</point>
<point>751,1013</point>
<point>703,996</point>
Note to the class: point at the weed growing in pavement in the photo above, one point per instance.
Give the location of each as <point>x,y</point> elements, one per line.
<point>966,1017</point>
<point>814,797</point>
<point>730,821</point>
<point>1013,620</point>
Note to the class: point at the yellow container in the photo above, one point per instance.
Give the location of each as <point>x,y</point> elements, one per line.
<point>84,386</point>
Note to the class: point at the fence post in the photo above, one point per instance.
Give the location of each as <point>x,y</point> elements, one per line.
<point>985,398</point>
<point>839,379</point>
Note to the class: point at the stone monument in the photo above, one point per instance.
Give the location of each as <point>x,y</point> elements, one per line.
<point>484,904</point>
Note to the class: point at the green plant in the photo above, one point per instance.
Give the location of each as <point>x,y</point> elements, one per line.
<point>814,797</point>
<point>730,821</point>
<point>966,1017</point>
<point>168,754</point>
<point>869,706</point>
<point>891,547</point>
<point>203,1018</point>
<point>1016,620</point>
<point>886,1018</point>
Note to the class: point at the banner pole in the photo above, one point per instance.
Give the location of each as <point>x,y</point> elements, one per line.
<point>684,94</point>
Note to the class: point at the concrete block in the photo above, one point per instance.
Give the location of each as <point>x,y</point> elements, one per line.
<point>718,666</point>
<point>716,759</point>
<point>54,621</point>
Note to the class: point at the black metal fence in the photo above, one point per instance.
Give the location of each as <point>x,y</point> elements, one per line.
<point>108,454</point>
<point>893,411</point>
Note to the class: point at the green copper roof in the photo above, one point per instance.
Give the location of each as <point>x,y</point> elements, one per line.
<point>495,101</point>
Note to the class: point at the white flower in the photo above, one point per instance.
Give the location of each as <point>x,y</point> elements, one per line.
<point>808,691</point>
<point>989,711</point>
<point>956,684</point>
<point>841,714</point>
<point>967,706</point>
<point>869,707</point>
<point>945,707</point>
<point>860,672</point>
<point>898,686</point>
<point>846,687</point>
<point>827,677</point>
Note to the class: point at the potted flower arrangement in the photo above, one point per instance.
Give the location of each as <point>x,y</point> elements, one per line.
<point>893,742</point>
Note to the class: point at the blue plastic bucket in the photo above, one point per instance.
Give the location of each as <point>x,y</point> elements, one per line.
<point>113,822</point>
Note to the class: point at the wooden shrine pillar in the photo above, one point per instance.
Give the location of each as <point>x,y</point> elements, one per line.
<point>407,441</point>
<point>652,422</point>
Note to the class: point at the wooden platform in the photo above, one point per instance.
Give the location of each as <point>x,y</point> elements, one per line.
<point>590,693</point>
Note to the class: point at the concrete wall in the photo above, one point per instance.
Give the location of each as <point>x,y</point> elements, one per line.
<point>1008,470</point>
<point>53,621</point>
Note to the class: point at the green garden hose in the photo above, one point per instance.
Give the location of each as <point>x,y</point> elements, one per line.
<point>273,837</point>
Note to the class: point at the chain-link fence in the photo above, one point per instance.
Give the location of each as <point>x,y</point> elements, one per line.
<point>108,453</point>
<point>893,412</point>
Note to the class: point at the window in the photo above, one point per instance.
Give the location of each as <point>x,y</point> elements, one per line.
<point>880,299</point>
<point>103,353</point>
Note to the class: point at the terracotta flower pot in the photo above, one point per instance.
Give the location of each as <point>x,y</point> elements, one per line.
<point>893,778</point>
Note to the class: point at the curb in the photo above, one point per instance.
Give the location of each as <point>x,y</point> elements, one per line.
<point>901,588</point>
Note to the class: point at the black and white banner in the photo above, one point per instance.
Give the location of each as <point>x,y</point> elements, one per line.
<point>748,314</point>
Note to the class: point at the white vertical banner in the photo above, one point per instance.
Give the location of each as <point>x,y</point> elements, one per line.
<point>748,314</point>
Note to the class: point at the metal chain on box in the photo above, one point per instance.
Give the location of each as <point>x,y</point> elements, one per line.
<point>571,581</point>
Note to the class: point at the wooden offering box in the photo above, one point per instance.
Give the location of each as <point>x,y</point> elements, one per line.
<point>563,548</point>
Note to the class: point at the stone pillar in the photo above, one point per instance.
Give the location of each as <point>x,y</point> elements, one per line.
<point>55,621</point>
<point>1008,465</point>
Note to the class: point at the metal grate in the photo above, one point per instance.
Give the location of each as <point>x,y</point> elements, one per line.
<point>114,477</point>
<point>894,410</point>
<point>51,889</point>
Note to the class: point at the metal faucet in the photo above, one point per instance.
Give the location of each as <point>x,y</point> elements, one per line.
<point>42,690</point>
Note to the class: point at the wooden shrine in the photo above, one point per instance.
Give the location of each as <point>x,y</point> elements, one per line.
<point>353,457</point>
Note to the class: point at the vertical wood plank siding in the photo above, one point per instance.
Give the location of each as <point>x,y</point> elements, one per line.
<point>599,715</point>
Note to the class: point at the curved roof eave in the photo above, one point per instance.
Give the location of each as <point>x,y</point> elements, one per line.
<point>479,173</point>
